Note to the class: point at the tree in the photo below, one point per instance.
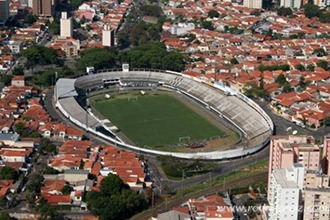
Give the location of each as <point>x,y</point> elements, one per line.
<point>281,79</point>
<point>18,71</point>
<point>47,211</point>
<point>40,55</point>
<point>234,61</point>
<point>8,173</point>
<point>6,79</point>
<point>67,189</point>
<point>320,52</point>
<point>51,148</point>
<point>310,67</point>
<point>54,27</point>
<point>323,64</point>
<point>256,12</point>
<point>76,3</point>
<point>302,82</point>
<point>20,128</point>
<point>30,19</point>
<point>35,182</point>
<point>213,14</point>
<point>286,87</point>
<point>4,215</point>
<point>114,200</point>
<point>283,11</point>
<point>300,67</point>
<point>96,57</point>
<point>153,55</point>
<point>311,10</point>
<point>207,25</point>
<point>151,10</point>
<point>112,184</point>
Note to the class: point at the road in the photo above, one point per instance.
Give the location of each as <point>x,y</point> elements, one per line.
<point>282,124</point>
<point>166,206</point>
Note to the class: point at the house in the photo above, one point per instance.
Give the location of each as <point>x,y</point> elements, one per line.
<point>54,199</point>
<point>18,81</point>
<point>14,155</point>
<point>53,186</point>
<point>58,130</point>
<point>5,125</point>
<point>9,139</point>
<point>65,162</point>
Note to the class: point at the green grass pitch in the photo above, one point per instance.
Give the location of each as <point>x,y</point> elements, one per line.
<point>155,119</point>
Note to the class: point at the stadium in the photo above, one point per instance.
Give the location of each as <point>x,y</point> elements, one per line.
<point>231,108</point>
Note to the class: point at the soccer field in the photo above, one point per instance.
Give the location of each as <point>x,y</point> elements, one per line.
<point>156,119</point>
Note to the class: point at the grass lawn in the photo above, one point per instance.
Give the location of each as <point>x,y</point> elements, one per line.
<point>155,119</point>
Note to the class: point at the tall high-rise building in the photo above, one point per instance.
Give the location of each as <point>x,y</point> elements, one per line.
<point>288,150</point>
<point>257,4</point>
<point>317,196</point>
<point>108,36</point>
<point>285,192</point>
<point>66,25</point>
<point>326,155</point>
<point>4,10</point>
<point>43,7</point>
<point>290,3</point>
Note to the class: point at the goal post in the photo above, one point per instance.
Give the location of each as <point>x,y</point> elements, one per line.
<point>184,139</point>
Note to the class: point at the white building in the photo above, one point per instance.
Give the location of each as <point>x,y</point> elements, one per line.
<point>257,4</point>
<point>66,25</point>
<point>290,3</point>
<point>108,36</point>
<point>285,193</point>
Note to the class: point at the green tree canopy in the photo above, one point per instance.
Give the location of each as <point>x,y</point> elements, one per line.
<point>207,25</point>
<point>234,61</point>
<point>8,173</point>
<point>283,11</point>
<point>300,67</point>
<point>323,64</point>
<point>67,189</point>
<point>281,79</point>
<point>6,79</point>
<point>4,215</point>
<point>55,27</point>
<point>96,57</point>
<point>311,10</point>
<point>151,10</point>
<point>153,55</point>
<point>115,200</point>
<point>320,52</point>
<point>76,3</point>
<point>310,67</point>
<point>213,14</point>
<point>39,55</point>
<point>30,19</point>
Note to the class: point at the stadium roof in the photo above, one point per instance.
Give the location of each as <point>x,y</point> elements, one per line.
<point>65,88</point>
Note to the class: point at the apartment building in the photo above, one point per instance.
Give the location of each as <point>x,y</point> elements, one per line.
<point>257,4</point>
<point>43,7</point>
<point>285,193</point>
<point>290,4</point>
<point>4,10</point>
<point>288,150</point>
<point>317,196</point>
<point>66,25</point>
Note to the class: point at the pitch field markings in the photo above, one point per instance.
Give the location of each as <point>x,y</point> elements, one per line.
<point>155,119</point>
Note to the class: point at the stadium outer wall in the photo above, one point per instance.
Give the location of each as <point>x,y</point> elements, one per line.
<point>213,155</point>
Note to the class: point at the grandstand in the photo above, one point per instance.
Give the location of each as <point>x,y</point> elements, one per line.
<point>245,115</point>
